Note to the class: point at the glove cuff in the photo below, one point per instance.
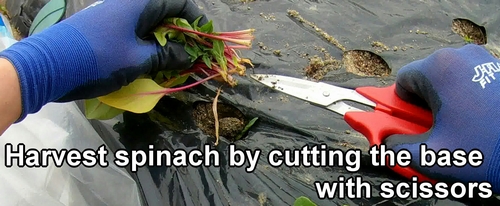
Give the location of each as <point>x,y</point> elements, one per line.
<point>48,68</point>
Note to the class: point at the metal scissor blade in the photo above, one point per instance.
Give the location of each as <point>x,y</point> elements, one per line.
<point>319,93</point>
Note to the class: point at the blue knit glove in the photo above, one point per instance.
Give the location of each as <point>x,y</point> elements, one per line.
<point>461,87</point>
<point>97,51</point>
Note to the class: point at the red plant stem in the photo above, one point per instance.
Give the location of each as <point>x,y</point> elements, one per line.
<point>205,72</point>
<point>177,89</point>
<point>236,41</point>
<point>231,67</point>
<point>237,47</point>
<point>247,31</point>
<point>241,36</point>
<point>227,46</point>
<point>199,68</point>
<point>235,54</point>
<point>216,67</point>
<point>230,63</point>
<point>229,53</point>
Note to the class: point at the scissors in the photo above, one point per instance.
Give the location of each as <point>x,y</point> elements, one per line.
<point>391,115</point>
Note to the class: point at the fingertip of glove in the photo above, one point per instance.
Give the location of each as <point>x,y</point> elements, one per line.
<point>412,86</point>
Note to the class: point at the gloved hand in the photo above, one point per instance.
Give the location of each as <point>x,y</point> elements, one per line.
<point>97,51</point>
<point>462,89</point>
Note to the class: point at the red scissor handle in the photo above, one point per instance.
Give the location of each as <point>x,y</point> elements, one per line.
<point>392,115</point>
<point>389,102</point>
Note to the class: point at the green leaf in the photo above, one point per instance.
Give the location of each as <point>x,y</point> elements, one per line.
<point>170,73</point>
<point>183,23</point>
<point>176,35</point>
<point>140,96</point>
<point>222,61</point>
<point>175,81</point>
<point>160,34</point>
<point>95,109</point>
<point>207,28</point>
<point>247,127</point>
<point>159,77</point>
<point>304,201</point>
<point>196,23</point>
<point>193,51</point>
<point>169,20</point>
<point>218,47</point>
<point>218,53</point>
<point>180,22</point>
<point>208,60</point>
<point>205,48</point>
<point>235,60</point>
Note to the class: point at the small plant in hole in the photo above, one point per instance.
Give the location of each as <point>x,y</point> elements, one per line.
<point>213,55</point>
<point>468,40</point>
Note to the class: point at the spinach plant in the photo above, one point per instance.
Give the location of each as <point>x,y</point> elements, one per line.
<point>213,55</point>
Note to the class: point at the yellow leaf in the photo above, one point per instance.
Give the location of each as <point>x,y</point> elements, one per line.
<point>175,81</point>
<point>137,97</point>
<point>94,109</point>
<point>248,61</point>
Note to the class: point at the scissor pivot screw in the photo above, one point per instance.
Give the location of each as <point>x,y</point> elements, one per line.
<point>326,93</point>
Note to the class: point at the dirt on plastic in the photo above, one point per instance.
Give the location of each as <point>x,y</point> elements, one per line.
<point>344,43</point>
<point>469,30</point>
<point>365,63</point>
<point>231,120</point>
